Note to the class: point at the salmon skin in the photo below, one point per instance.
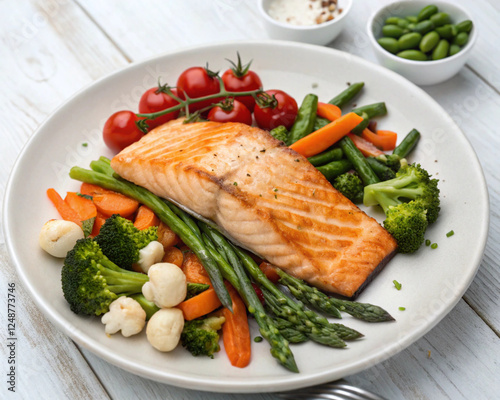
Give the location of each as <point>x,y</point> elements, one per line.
<point>265,197</point>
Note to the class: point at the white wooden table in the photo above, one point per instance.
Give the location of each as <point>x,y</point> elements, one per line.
<point>50,49</point>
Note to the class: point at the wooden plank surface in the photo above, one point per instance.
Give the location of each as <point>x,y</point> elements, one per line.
<point>50,49</point>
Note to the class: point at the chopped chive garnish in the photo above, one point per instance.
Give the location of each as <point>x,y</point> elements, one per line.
<point>257,339</point>
<point>85,144</point>
<point>434,246</point>
<point>235,183</point>
<point>402,308</point>
<point>450,233</point>
<point>427,242</point>
<point>397,285</point>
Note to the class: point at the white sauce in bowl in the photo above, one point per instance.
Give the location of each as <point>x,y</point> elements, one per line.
<point>304,12</point>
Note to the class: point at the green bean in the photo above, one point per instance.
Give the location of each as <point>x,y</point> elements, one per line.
<point>429,41</point>
<point>329,155</point>
<point>390,44</point>
<point>461,39</point>
<point>383,172</point>
<point>320,123</point>
<point>424,26</point>
<point>393,31</point>
<point>335,168</point>
<point>407,144</point>
<point>447,31</point>
<point>165,213</point>
<point>427,12</point>
<point>347,95</point>
<point>306,116</point>
<point>415,55</point>
<point>372,110</point>
<point>454,49</point>
<point>441,50</point>
<point>464,26</point>
<point>409,40</point>
<point>358,161</point>
<point>362,125</point>
<point>440,19</point>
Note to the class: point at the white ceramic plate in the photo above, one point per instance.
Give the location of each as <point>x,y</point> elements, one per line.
<point>433,280</point>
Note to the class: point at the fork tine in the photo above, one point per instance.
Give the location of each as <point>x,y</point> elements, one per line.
<point>339,390</point>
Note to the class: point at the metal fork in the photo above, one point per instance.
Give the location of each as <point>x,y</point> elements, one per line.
<point>338,390</point>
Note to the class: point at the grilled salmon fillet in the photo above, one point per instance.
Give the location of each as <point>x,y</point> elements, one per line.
<point>265,196</point>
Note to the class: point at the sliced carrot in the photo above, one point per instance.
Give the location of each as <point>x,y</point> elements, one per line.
<point>84,207</point>
<point>236,332</point>
<point>100,219</point>
<point>145,218</point>
<point>167,236</point>
<point>194,270</point>
<point>115,203</point>
<point>270,271</point>
<point>173,256</point>
<point>65,211</point>
<point>367,148</point>
<point>90,189</point>
<point>323,138</point>
<point>200,305</point>
<point>329,111</point>
<point>383,139</point>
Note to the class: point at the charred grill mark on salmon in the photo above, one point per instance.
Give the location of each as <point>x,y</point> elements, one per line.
<point>264,196</point>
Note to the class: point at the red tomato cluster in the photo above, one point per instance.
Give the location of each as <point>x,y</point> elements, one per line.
<point>276,108</point>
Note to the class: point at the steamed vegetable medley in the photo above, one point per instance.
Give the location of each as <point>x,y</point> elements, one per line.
<point>430,35</point>
<point>139,261</point>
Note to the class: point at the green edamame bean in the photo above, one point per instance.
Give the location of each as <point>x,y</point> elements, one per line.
<point>392,21</point>
<point>447,31</point>
<point>454,49</point>
<point>412,26</point>
<point>461,39</point>
<point>427,12</point>
<point>409,41</point>
<point>393,31</point>
<point>415,55</point>
<point>403,23</point>
<point>412,18</point>
<point>464,26</point>
<point>424,26</point>
<point>390,44</point>
<point>429,41</point>
<point>440,19</point>
<point>441,50</point>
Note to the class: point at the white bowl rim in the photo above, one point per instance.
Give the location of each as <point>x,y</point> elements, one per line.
<point>461,53</point>
<point>345,11</point>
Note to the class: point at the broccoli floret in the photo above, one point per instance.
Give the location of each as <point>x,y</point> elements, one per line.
<point>412,185</point>
<point>200,336</point>
<point>407,223</point>
<point>393,161</point>
<point>90,281</point>
<point>121,241</point>
<point>280,133</point>
<point>350,185</point>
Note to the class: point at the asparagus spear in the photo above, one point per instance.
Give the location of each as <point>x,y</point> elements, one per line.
<point>102,176</point>
<point>287,329</point>
<point>316,298</point>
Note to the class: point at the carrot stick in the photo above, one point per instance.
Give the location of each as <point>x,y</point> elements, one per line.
<point>270,271</point>
<point>323,138</point>
<point>200,305</point>
<point>90,189</point>
<point>65,211</point>
<point>100,219</point>
<point>235,332</point>
<point>383,139</point>
<point>328,111</point>
<point>83,207</point>
<point>194,270</point>
<point>145,218</point>
<point>367,148</point>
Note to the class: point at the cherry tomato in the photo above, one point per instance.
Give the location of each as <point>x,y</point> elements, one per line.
<point>284,113</point>
<point>120,130</point>
<point>153,101</point>
<point>241,79</point>
<point>237,113</point>
<point>198,82</point>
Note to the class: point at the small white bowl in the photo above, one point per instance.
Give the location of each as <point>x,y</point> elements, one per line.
<point>320,34</point>
<point>419,72</point>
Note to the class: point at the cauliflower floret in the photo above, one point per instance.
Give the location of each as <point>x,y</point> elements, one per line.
<point>57,237</point>
<point>124,314</point>
<point>150,255</point>
<point>164,329</point>
<point>167,285</point>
